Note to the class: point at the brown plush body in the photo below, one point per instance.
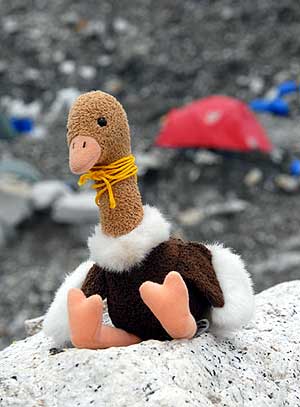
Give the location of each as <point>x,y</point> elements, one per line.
<point>125,305</point>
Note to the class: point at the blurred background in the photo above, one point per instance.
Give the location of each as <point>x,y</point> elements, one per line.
<point>154,56</point>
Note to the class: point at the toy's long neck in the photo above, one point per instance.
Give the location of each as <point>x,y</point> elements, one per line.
<point>127,214</point>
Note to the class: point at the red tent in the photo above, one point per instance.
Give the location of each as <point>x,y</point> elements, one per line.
<point>217,122</point>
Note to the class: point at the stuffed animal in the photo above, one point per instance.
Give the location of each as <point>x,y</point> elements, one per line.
<point>156,286</point>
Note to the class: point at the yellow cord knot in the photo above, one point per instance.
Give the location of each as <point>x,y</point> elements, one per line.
<point>106,176</point>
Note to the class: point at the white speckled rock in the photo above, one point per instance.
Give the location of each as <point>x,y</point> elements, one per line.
<point>258,367</point>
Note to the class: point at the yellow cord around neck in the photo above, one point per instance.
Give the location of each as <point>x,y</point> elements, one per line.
<point>105,176</point>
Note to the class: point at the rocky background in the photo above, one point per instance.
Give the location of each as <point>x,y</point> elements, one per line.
<point>152,56</point>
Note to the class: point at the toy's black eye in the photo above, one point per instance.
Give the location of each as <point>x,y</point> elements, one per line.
<point>102,121</point>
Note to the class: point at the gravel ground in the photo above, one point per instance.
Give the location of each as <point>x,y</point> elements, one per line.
<point>152,56</point>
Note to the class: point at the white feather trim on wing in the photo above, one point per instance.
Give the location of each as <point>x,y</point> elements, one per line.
<point>236,285</point>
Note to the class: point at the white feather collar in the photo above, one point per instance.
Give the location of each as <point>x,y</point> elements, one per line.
<point>121,253</point>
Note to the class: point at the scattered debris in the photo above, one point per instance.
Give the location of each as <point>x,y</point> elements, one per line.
<point>230,207</point>
<point>278,263</point>
<point>152,160</point>
<point>19,170</point>
<point>87,72</point>
<point>191,216</point>
<point>196,215</point>
<point>253,177</point>
<point>7,132</point>
<point>14,200</point>
<point>114,85</point>
<point>18,108</point>
<point>67,67</point>
<point>45,193</point>
<point>93,29</point>
<point>2,235</point>
<point>55,351</point>
<point>76,208</point>
<point>64,99</point>
<point>287,183</point>
<point>256,85</point>
<point>121,25</point>
<point>104,60</point>
<point>205,157</point>
<point>194,174</point>
<point>292,242</point>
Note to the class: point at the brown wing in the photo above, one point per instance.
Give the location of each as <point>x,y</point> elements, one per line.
<point>195,265</point>
<point>95,282</point>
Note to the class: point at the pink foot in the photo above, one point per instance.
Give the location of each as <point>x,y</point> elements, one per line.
<point>85,318</point>
<point>85,321</point>
<point>169,302</point>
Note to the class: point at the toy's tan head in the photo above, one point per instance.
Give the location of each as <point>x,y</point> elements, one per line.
<point>98,131</point>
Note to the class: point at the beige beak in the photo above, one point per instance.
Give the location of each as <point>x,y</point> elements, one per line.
<point>84,153</point>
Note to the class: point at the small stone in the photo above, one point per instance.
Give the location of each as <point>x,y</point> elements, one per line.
<point>18,108</point>
<point>58,56</point>
<point>230,207</point>
<point>67,67</point>
<point>242,81</point>
<point>256,85</point>
<point>63,101</point>
<point>32,74</point>
<point>76,208</point>
<point>287,183</point>
<point>121,25</point>
<point>292,242</point>
<point>87,72</point>
<point>253,177</point>
<point>104,60</point>
<point>206,158</point>
<point>191,216</point>
<point>109,44</point>
<point>2,236</point>
<point>15,201</point>
<point>93,29</point>
<point>152,160</point>
<point>227,13</point>
<point>3,67</point>
<point>10,25</point>
<point>194,174</point>
<point>278,263</point>
<point>55,351</point>
<point>45,193</point>
<point>33,326</point>
<point>114,85</point>
<point>71,18</point>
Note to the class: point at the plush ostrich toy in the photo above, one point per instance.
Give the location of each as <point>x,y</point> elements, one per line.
<point>157,287</point>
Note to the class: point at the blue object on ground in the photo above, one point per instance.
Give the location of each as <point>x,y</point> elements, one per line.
<point>22,124</point>
<point>280,107</point>
<point>286,87</point>
<point>277,106</point>
<point>295,167</point>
